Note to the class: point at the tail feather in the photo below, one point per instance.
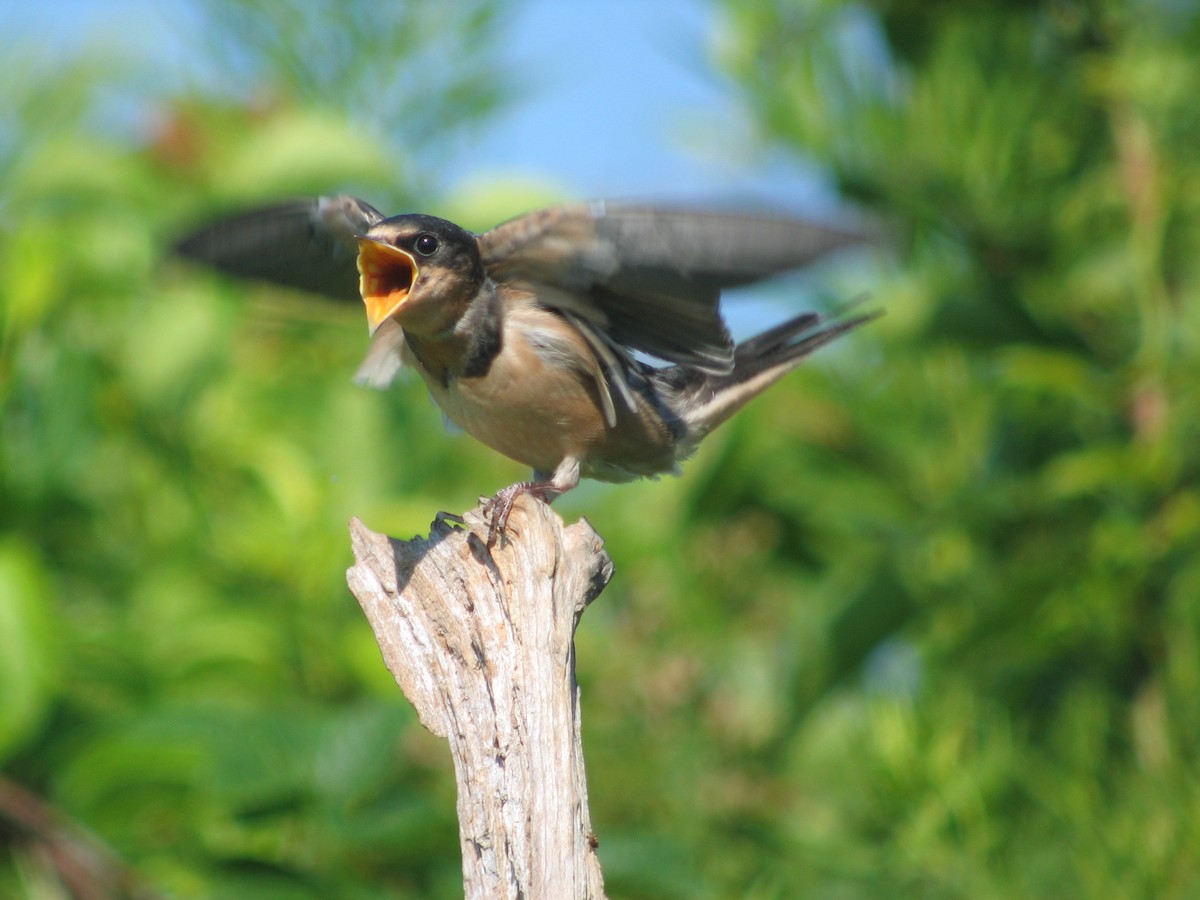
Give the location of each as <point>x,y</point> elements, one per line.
<point>709,399</point>
<point>786,343</point>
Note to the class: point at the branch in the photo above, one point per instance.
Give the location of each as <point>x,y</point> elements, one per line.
<point>58,854</point>
<point>482,645</point>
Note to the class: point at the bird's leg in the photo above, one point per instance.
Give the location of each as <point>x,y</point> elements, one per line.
<point>498,507</point>
<point>544,486</point>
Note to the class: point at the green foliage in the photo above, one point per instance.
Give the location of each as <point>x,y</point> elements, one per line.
<point>991,528</point>
<point>921,621</point>
<point>181,667</point>
<point>28,648</point>
<point>422,73</point>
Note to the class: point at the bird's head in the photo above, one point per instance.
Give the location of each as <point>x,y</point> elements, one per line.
<point>419,270</point>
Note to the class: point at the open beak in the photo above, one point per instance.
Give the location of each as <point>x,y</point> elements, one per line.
<point>386,275</point>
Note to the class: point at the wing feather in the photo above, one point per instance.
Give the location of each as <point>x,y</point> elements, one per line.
<point>305,244</point>
<point>650,278</point>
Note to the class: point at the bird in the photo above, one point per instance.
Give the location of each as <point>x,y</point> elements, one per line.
<point>583,340</point>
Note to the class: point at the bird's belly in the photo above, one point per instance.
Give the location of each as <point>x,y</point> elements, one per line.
<point>533,413</point>
<point>542,407</point>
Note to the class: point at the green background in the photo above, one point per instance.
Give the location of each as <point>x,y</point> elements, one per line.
<point>922,621</point>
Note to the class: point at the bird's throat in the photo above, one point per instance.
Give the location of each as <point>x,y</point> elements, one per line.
<point>386,275</point>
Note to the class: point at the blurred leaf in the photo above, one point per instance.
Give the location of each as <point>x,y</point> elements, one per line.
<point>29,648</point>
<point>303,152</point>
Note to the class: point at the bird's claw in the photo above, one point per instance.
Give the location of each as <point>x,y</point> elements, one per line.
<point>445,522</point>
<point>496,510</point>
<point>498,507</point>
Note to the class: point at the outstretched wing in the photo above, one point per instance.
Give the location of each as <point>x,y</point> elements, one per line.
<point>650,278</point>
<point>305,244</point>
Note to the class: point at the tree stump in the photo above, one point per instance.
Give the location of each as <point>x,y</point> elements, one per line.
<point>482,644</point>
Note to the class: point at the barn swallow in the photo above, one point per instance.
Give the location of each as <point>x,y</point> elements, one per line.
<point>535,337</point>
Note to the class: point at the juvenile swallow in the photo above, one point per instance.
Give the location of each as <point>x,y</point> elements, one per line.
<point>534,337</point>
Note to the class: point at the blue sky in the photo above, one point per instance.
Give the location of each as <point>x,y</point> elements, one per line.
<point>624,101</point>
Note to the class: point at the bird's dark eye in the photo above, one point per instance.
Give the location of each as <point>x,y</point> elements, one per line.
<point>426,244</point>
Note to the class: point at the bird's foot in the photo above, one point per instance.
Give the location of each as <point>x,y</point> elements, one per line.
<point>497,508</point>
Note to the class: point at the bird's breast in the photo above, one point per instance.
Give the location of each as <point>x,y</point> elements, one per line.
<point>533,408</point>
<point>539,403</point>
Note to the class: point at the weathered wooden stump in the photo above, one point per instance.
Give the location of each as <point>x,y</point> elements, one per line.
<point>482,644</point>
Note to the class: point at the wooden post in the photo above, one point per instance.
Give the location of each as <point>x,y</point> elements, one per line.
<point>482,645</point>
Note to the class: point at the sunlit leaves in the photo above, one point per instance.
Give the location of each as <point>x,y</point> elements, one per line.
<point>1022,452</point>
<point>29,648</point>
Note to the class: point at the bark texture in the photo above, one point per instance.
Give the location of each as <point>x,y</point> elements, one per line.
<point>482,644</point>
